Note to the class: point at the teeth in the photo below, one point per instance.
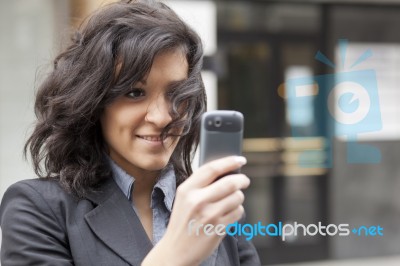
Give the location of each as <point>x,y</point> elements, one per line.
<point>150,138</point>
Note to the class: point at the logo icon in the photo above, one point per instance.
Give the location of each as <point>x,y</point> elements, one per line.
<point>351,100</point>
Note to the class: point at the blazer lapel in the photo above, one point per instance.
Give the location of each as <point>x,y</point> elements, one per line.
<point>212,259</point>
<point>115,222</point>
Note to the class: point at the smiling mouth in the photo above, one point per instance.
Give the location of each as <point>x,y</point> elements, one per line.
<point>151,138</point>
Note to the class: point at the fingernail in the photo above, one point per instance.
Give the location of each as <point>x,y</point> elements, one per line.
<point>240,159</point>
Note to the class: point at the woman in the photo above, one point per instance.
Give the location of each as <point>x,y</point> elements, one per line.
<point>117,124</point>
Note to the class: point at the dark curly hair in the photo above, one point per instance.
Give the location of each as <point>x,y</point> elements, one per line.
<point>114,49</point>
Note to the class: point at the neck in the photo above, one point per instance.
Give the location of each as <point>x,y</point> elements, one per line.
<point>144,184</point>
<point>144,179</point>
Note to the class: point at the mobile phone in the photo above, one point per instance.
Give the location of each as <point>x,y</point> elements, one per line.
<point>221,135</point>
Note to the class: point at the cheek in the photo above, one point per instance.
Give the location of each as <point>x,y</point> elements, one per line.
<point>121,114</point>
<point>118,131</point>
<point>115,122</point>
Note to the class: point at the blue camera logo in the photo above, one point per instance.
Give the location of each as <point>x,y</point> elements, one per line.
<point>352,103</point>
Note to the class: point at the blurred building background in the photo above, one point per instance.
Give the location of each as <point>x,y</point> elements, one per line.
<point>298,158</point>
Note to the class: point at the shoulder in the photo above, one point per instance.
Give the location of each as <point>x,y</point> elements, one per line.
<point>33,222</point>
<point>40,185</point>
<point>38,189</point>
<point>44,195</point>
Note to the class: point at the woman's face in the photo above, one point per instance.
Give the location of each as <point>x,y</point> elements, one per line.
<point>132,124</point>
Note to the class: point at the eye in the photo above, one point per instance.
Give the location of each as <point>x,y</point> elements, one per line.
<point>136,93</point>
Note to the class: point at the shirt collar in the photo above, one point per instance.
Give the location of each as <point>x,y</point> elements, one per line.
<point>166,183</point>
<point>122,178</point>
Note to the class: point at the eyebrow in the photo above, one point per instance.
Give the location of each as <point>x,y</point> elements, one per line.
<point>170,84</point>
<point>175,83</point>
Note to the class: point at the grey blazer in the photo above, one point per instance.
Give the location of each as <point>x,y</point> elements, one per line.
<point>43,225</point>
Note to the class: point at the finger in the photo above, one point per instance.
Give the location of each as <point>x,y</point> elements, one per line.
<point>225,186</point>
<point>226,205</point>
<point>210,171</point>
<point>233,216</point>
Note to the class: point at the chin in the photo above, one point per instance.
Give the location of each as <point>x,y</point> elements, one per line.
<point>155,165</point>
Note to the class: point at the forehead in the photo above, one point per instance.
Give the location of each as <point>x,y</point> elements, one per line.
<point>169,65</point>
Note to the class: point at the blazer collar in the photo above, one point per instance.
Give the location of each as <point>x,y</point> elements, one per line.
<point>115,222</point>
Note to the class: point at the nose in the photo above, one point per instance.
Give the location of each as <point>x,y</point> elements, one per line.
<point>158,112</point>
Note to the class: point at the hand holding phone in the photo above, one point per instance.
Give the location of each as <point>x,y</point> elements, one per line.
<point>203,197</point>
